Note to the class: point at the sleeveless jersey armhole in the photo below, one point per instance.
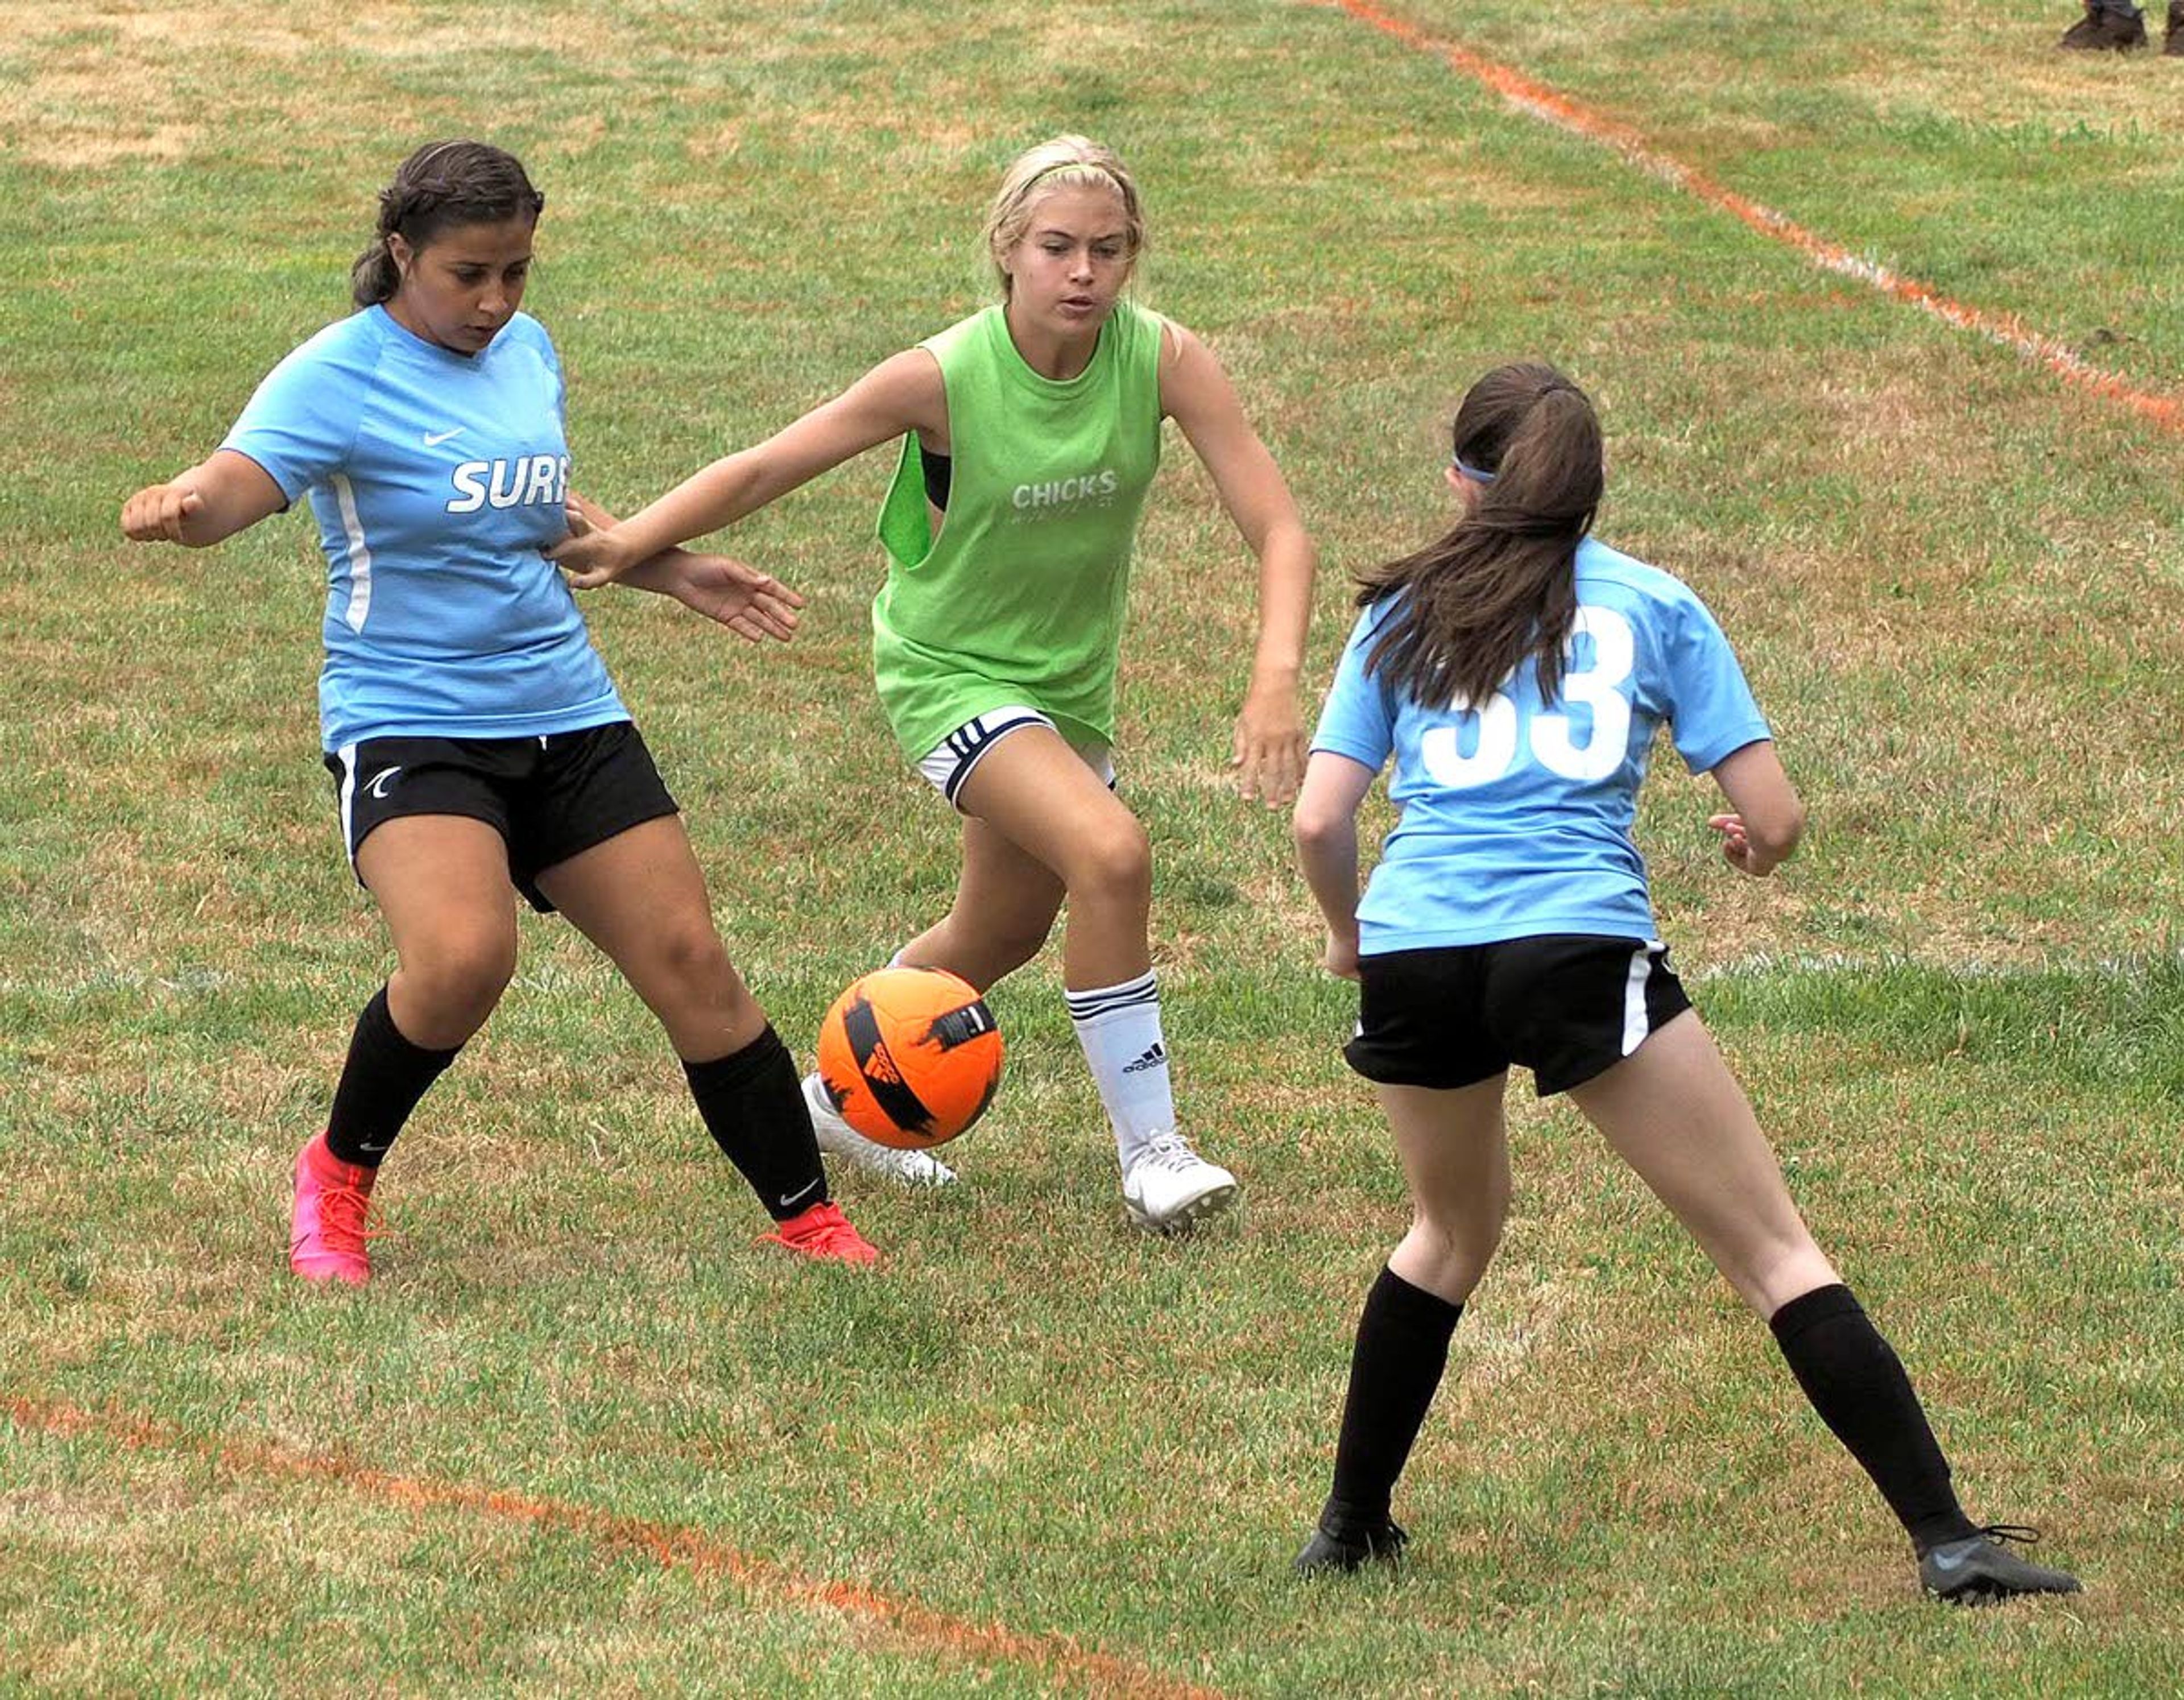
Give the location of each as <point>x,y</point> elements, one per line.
<point>905,528</point>
<point>905,523</point>
<point>1168,335</point>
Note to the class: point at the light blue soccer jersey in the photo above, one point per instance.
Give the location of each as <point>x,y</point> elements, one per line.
<point>437,479</point>
<point>1517,816</point>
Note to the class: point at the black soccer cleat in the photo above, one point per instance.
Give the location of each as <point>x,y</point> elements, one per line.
<point>1346,1550</point>
<point>1979,1571</point>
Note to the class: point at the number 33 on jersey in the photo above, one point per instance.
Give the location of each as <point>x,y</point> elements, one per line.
<point>1517,812</point>
<point>1596,668</point>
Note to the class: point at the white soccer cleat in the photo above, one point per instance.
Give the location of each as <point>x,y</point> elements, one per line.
<point>1170,1188</point>
<point>837,1138</point>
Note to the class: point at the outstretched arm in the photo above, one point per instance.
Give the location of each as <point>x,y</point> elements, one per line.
<point>1269,743</point>
<point>222,495</point>
<point>1769,818</point>
<point>1325,825</point>
<point>900,394</point>
<point>753,605</point>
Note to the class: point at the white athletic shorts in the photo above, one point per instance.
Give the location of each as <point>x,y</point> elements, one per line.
<point>950,762</point>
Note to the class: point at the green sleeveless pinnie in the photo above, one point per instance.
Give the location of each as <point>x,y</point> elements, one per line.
<point>1021,597</point>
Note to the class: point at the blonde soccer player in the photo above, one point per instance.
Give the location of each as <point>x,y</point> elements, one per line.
<point>1029,436</point>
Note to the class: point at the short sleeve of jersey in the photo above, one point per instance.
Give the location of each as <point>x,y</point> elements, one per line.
<point>302,422</point>
<point>552,356</point>
<point>1711,708</point>
<point>1358,720</point>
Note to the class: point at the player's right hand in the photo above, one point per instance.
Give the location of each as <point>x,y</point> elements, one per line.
<point>158,513</point>
<point>589,556</point>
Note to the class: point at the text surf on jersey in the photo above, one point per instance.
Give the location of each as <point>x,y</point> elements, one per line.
<point>522,482</point>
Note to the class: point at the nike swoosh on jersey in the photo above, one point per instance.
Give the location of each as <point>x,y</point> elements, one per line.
<point>433,439</point>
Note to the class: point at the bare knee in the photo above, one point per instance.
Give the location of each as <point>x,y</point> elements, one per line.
<point>688,981</point>
<point>1113,866</point>
<point>450,986</point>
<point>1448,1257</point>
<point>689,959</point>
<point>1006,942</point>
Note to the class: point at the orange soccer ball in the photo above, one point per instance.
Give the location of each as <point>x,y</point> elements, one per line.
<point>910,1057</point>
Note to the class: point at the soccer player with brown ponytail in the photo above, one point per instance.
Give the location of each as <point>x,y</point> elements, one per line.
<point>1515,671</point>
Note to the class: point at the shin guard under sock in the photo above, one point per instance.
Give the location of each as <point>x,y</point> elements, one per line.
<point>381,1082</point>
<point>1397,1365</point>
<point>753,1103</point>
<point>1858,1384</point>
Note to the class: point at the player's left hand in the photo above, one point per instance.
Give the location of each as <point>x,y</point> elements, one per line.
<point>1268,756</point>
<point>1736,847</point>
<point>755,605</point>
<point>1339,958</point>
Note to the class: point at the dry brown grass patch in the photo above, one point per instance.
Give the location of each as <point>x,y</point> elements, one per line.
<point>163,83</point>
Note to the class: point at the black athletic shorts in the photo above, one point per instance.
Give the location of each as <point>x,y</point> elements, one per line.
<point>1566,1006</point>
<point>549,798</point>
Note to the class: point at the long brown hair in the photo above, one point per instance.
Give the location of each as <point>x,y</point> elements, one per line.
<point>1501,586</point>
<point>442,185</point>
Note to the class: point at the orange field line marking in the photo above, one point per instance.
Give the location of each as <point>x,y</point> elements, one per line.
<point>1057,1658</point>
<point>1536,100</point>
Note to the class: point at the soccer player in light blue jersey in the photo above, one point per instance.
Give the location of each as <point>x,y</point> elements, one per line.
<point>474,739</point>
<point>1515,672</point>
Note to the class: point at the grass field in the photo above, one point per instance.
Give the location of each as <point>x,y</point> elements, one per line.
<point>582,1433</point>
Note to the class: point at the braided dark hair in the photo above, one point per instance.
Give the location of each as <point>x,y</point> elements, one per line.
<point>440,186</point>
<point>1500,587</point>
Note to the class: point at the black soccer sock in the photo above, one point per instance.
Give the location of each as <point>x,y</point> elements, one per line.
<point>381,1084</point>
<point>1401,1351</point>
<point>753,1103</point>
<point>1856,1383</point>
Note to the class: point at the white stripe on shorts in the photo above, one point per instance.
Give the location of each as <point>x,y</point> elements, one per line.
<point>1635,1026</point>
<point>949,763</point>
<point>346,756</point>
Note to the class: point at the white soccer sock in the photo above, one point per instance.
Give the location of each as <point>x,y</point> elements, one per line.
<point>1120,1028</point>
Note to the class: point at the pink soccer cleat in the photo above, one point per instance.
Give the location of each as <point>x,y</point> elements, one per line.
<point>824,1232</point>
<point>327,1231</point>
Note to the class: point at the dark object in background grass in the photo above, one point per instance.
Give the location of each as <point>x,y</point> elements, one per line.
<point>2112,26</point>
